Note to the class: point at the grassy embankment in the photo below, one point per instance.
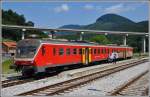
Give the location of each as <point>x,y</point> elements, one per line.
<point>140,55</point>
<point>6,67</point>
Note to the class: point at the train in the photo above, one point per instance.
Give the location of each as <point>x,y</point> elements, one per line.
<point>36,55</point>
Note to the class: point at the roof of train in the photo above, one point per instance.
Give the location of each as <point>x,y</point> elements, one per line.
<point>81,43</point>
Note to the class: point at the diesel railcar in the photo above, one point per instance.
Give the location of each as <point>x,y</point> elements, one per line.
<point>35,55</point>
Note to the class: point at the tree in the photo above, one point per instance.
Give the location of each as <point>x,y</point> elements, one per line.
<point>101,39</point>
<point>10,17</point>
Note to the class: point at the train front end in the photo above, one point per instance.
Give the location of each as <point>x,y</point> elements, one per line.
<point>24,58</point>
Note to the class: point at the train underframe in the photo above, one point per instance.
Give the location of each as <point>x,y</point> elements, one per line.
<point>29,70</point>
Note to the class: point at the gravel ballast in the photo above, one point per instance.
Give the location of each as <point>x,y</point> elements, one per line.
<point>104,85</point>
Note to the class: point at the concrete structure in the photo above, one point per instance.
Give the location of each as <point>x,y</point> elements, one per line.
<point>81,36</point>
<point>82,31</point>
<point>125,39</point>
<point>23,30</point>
<point>144,44</point>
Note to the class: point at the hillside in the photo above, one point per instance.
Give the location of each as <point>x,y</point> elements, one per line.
<point>114,22</point>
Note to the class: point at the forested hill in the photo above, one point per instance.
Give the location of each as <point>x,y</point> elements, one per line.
<point>10,17</point>
<point>113,22</point>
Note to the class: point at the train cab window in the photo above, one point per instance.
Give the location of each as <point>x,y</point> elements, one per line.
<point>98,51</point>
<point>80,51</point>
<point>54,51</point>
<point>43,50</point>
<point>61,51</point>
<point>68,51</point>
<point>74,51</point>
<point>94,51</point>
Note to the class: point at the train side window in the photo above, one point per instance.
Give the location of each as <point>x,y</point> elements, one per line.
<point>54,51</point>
<point>68,51</point>
<point>80,51</point>
<point>104,50</point>
<point>43,50</point>
<point>113,50</point>
<point>61,51</point>
<point>98,51</point>
<point>107,51</point>
<point>94,51</point>
<point>74,51</point>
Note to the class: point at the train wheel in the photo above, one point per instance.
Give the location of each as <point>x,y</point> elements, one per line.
<point>27,72</point>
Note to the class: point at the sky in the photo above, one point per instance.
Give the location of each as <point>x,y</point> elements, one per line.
<point>56,14</point>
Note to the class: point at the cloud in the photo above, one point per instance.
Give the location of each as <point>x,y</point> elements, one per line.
<point>62,8</point>
<point>119,8</point>
<point>88,7</point>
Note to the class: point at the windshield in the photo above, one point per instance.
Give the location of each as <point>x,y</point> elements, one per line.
<point>25,51</point>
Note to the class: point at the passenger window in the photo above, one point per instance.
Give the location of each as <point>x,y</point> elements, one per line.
<point>43,50</point>
<point>94,51</point>
<point>80,51</point>
<point>74,51</point>
<point>68,51</point>
<point>61,51</point>
<point>102,51</point>
<point>54,51</point>
<point>98,51</point>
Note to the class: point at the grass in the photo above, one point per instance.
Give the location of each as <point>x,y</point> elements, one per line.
<point>5,66</point>
<point>140,55</point>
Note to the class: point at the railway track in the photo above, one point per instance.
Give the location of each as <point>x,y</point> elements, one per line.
<point>138,86</point>
<point>59,88</point>
<point>8,83</point>
<point>20,80</point>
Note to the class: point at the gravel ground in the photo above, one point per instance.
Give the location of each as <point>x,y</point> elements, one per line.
<point>138,87</point>
<point>14,90</point>
<point>10,76</point>
<point>104,85</point>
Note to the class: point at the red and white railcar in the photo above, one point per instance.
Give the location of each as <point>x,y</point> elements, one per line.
<point>39,55</point>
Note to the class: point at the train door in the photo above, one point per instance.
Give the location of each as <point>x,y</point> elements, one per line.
<point>86,55</point>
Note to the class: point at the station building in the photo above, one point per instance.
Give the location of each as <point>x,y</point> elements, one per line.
<point>8,48</point>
